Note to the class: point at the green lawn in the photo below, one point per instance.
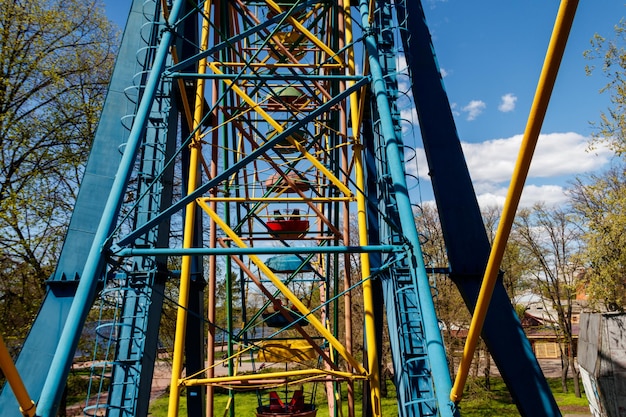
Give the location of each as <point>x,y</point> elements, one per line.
<point>246,403</point>
<point>478,402</point>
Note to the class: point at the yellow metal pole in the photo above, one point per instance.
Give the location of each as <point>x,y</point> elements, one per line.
<point>190,211</point>
<point>183,297</point>
<point>368,293</point>
<point>368,304</point>
<point>27,406</point>
<point>271,375</point>
<point>562,26</point>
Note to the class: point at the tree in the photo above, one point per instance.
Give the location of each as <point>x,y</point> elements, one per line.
<point>601,205</point>
<point>451,310</point>
<point>612,54</point>
<point>551,240</point>
<point>514,265</point>
<point>599,199</point>
<point>56,58</point>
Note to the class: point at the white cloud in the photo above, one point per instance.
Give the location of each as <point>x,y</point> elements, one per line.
<point>474,109</point>
<point>551,195</point>
<point>409,121</point>
<point>557,154</point>
<point>556,157</point>
<point>453,109</point>
<point>408,111</point>
<point>401,64</point>
<point>443,72</point>
<point>508,103</point>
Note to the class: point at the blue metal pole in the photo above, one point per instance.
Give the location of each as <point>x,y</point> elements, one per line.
<point>94,265</point>
<point>434,341</point>
<point>269,250</point>
<point>266,77</point>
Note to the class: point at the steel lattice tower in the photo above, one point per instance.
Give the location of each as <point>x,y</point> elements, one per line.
<point>250,155</point>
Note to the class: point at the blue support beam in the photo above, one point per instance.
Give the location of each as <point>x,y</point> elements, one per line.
<point>100,170</point>
<point>269,250</point>
<point>466,240</point>
<point>94,264</point>
<point>421,296</point>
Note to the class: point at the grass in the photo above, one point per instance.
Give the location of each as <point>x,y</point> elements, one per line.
<point>478,402</point>
<point>568,403</point>
<point>247,402</point>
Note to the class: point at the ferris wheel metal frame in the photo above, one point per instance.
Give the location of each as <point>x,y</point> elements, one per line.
<point>249,130</point>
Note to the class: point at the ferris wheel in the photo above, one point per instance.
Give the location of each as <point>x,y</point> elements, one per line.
<point>248,176</point>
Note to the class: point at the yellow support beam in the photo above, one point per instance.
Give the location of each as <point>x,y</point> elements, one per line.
<point>195,157</point>
<point>270,375</point>
<point>368,292</point>
<point>27,406</point>
<point>562,26</point>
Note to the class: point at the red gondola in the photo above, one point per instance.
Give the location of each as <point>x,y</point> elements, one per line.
<point>296,407</point>
<point>288,228</point>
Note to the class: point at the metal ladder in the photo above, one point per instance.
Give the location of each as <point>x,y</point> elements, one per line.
<point>129,337</point>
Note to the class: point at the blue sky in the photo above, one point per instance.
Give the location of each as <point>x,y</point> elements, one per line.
<point>491,53</point>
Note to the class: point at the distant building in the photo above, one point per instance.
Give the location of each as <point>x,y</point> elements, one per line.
<point>541,326</point>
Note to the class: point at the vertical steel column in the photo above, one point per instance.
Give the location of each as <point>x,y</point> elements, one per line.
<point>434,342</point>
<point>94,265</point>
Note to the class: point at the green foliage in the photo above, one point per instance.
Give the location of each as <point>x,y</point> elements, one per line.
<point>612,55</point>
<point>55,63</point>
<point>601,203</point>
<point>78,385</point>
<point>599,199</point>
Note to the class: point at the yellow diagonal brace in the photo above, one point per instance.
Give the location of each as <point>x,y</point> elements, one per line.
<point>279,128</point>
<point>285,291</point>
<point>307,33</point>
